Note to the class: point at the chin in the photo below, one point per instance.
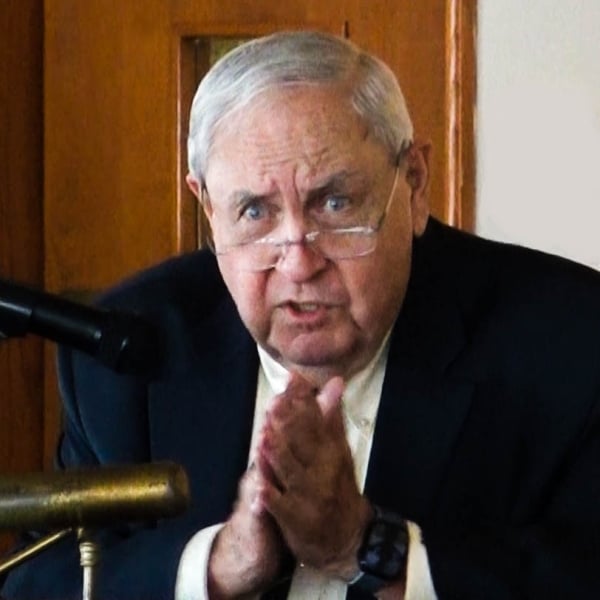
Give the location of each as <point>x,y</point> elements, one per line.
<point>318,351</point>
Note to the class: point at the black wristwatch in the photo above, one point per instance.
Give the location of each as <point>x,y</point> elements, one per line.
<point>383,553</point>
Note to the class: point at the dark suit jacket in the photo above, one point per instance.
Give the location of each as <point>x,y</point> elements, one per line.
<point>488,433</point>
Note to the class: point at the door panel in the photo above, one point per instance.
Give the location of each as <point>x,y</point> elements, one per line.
<point>21,360</point>
<point>119,77</point>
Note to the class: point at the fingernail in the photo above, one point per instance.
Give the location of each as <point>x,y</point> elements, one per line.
<point>256,506</point>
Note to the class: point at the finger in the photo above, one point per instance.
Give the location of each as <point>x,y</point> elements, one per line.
<point>278,460</point>
<point>330,394</point>
<point>263,466</point>
<point>298,388</point>
<point>301,432</point>
<point>295,417</point>
<point>270,490</point>
<point>299,394</point>
<point>299,384</point>
<point>249,492</point>
<point>329,400</point>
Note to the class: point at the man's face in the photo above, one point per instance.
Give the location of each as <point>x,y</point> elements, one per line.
<point>318,316</point>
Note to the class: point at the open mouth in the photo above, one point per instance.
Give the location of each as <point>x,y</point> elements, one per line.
<point>305,307</point>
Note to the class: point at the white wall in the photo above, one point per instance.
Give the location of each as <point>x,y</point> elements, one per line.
<point>538,125</point>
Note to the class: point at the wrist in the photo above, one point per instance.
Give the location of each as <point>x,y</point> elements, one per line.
<point>345,566</point>
<point>234,573</point>
<point>383,555</point>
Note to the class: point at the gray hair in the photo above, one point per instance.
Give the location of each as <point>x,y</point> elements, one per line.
<point>297,58</point>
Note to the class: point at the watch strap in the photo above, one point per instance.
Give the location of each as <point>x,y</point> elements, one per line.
<point>383,554</point>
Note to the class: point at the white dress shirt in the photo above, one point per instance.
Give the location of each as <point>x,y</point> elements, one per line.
<point>360,404</point>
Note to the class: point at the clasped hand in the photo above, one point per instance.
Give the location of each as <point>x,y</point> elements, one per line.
<point>300,494</point>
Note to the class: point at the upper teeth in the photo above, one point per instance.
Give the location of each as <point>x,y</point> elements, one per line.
<point>306,307</point>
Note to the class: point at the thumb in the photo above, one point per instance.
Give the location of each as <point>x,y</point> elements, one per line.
<point>330,396</point>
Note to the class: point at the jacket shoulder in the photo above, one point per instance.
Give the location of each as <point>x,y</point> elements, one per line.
<point>526,313</point>
<point>187,280</point>
<point>506,271</point>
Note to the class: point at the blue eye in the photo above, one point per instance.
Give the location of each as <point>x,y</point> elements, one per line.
<point>336,203</point>
<point>253,211</point>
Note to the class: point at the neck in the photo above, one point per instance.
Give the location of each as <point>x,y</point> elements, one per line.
<point>319,375</point>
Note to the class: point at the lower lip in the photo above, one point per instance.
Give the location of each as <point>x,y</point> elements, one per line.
<point>306,316</point>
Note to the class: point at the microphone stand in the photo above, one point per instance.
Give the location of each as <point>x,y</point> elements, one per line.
<point>89,556</point>
<point>161,490</point>
<point>77,500</point>
<point>33,549</point>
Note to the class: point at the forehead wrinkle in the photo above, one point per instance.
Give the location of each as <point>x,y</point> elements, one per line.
<point>279,154</point>
<point>289,168</point>
<point>318,142</point>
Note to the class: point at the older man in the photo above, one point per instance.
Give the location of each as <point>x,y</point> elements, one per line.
<point>367,402</point>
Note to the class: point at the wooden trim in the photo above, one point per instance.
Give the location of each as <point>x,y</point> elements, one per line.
<point>187,206</point>
<point>21,222</point>
<point>461,99</point>
<point>21,235</point>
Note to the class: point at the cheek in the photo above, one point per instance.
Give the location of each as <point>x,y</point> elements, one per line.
<point>366,289</point>
<point>377,286</point>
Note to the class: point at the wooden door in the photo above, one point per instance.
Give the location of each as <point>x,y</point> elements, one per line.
<point>119,75</point>
<point>21,360</point>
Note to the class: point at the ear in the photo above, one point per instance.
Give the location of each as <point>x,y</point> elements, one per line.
<point>417,176</point>
<point>197,188</point>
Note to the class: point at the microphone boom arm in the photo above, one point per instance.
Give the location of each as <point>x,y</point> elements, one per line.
<point>124,342</point>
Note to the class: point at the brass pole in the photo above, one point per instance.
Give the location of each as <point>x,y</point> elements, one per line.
<point>33,549</point>
<point>89,553</point>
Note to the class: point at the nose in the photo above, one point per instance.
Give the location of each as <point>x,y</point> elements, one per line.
<point>300,262</point>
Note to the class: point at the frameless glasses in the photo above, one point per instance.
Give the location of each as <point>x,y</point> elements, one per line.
<point>255,248</point>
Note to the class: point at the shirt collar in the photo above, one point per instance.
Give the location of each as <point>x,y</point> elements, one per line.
<point>362,390</point>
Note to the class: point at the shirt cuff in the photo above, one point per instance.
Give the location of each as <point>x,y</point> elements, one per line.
<point>192,583</point>
<point>193,566</point>
<point>419,585</point>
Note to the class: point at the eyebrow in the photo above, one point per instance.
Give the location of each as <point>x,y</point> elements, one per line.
<point>334,182</point>
<point>241,198</point>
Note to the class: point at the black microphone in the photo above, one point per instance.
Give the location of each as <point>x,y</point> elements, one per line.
<point>122,341</point>
<point>93,496</point>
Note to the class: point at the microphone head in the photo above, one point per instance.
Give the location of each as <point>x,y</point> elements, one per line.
<point>123,341</point>
<point>129,344</point>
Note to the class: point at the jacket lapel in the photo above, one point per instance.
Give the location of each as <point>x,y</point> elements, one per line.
<point>205,403</point>
<point>422,406</point>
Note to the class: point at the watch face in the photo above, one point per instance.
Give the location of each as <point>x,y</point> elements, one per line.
<point>385,549</point>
